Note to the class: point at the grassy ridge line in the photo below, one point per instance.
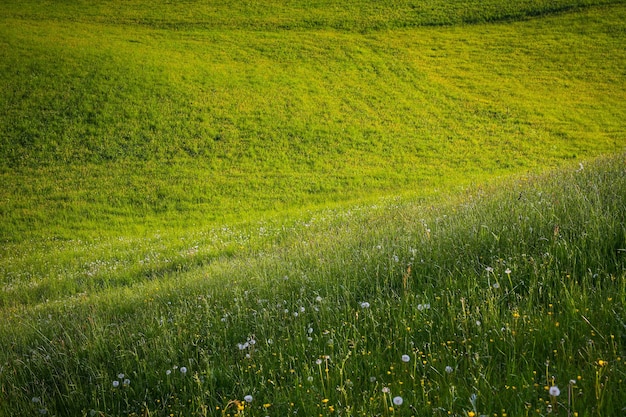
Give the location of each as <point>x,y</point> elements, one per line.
<point>355,15</point>
<point>556,315</point>
<point>182,129</point>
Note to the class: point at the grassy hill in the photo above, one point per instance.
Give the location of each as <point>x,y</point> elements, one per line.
<point>485,305</point>
<point>169,116</point>
<point>326,208</point>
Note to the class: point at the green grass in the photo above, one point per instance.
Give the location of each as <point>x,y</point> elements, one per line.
<point>145,126</point>
<point>516,288</point>
<point>285,198</point>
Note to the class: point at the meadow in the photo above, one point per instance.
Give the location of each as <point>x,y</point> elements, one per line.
<point>143,126</point>
<point>318,208</point>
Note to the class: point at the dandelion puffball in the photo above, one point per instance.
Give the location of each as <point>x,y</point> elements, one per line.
<point>248,398</point>
<point>554,391</point>
<point>398,400</point>
<point>406,358</point>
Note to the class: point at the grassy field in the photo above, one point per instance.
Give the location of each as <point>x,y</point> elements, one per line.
<point>324,208</point>
<point>484,305</point>
<point>144,126</point>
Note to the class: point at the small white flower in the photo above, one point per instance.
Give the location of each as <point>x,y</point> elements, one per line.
<point>496,285</point>
<point>310,330</point>
<point>36,400</point>
<point>489,269</point>
<point>554,391</point>
<point>126,382</point>
<point>365,304</point>
<point>318,299</point>
<point>116,384</point>
<point>572,382</point>
<point>398,400</point>
<point>478,323</point>
<point>386,390</point>
<point>395,258</point>
<point>120,376</point>
<point>183,370</point>
<point>248,398</point>
<point>168,372</point>
<point>302,309</point>
<point>295,314</point>
<point>372,379</point>
<point>310,379</point>
<point>406,358</point>
<point>507,271</point>
<point>449,369</point>
<point>318,361</point>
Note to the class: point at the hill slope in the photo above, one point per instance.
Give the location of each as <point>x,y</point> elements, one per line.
<point>492,304</point>
<point>119,119</point>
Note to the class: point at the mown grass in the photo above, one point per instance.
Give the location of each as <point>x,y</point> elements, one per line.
<point>114,124</point>
<point>495,297</point>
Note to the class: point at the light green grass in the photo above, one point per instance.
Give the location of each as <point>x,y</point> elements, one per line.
<point>515,288</point>
<point>341,183</point>
<point>145,127</point>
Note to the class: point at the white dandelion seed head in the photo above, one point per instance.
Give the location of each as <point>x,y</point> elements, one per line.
<point>507,271</point>
<point>496,285</point>
<point>406,358</point>
<point>478,323</point>
<point>302,309</point>
<point>365,304</point>
<point>168,372</point>
<point>126,382</point>
<point>449,369</point>
<point>554,391</point>
<point>310,330</point>
<point>398,400</point>
<point>248,398</point>
<point>183,370</point>
<point>36,400</point>
<point>386,390</point>
<point>572,382</point>
<point>318,299</point>
<point>318,362</point>
<point>116,384</point>
<point>120,376</point>
<point>372,379</point>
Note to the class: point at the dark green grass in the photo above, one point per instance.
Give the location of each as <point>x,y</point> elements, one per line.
<point>516,288</point>
<point>112,126</point>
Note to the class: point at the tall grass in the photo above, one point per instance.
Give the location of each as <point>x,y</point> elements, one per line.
<point>496,298</point>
